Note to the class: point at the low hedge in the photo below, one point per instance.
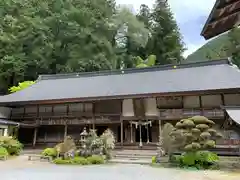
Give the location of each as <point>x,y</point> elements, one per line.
<point>13,146</point>
<point>80,160</point>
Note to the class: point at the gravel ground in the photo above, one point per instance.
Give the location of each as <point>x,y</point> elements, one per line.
<point>21,169</point>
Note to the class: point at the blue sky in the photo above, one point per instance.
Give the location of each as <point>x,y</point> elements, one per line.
<point>191,15</point>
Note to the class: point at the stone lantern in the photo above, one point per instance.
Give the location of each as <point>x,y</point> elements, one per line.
<point>83,137</point>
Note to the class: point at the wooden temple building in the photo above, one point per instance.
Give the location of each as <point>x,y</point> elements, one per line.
<point>133,103</point>
<point>224,15</point>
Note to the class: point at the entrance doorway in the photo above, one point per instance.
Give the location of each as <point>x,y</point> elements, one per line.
<point>25,135</point>
<point>146,134</point>
<point>101,129</point>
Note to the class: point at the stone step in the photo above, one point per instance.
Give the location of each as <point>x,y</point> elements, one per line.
<point>130,156</point>
<point>130,161</point>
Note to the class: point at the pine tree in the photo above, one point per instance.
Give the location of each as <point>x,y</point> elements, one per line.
<point>165,41</point>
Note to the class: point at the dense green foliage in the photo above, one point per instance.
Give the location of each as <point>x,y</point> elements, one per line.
<point>21,86</point>
<point>13,146</point>
<point>80,160</point>
<point>55,36</point>
<point>199,159</point>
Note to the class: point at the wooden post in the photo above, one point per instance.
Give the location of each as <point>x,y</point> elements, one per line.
<point>201,106</point>
<point>93,121</point>
<point>147,135</point>
<point>131,132</point>
<point>140,134</point>
<point>121,132</point>
<point>160,130</point>
<point>35,137</point>
<point>65,130</point>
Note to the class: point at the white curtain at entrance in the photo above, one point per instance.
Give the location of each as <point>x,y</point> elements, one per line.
<point>127,109</point>
<point>151,107</point>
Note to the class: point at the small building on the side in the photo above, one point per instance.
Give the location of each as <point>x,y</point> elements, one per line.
<point>133,103</point>
<point>224,16</point>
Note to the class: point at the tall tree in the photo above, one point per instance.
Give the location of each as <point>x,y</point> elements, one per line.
<point>165,41</point>
<point>53,36</point>
<point>129,32</point>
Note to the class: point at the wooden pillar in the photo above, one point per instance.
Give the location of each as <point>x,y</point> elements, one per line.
<point>65,130</point>
<point>93,123</point>
<point>201,106</point>
<point>131,132</point>
<point>160,130</point>
<point>121,132</point>
<point>35,136</point>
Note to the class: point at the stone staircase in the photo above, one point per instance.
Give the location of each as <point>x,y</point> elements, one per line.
<point>133,156</point>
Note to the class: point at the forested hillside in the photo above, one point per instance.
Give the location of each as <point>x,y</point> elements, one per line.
<point>223,46</point>
<point>214,49</point>
<point>56,36</point>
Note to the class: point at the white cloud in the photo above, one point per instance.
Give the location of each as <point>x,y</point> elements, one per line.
<point>185,11</point>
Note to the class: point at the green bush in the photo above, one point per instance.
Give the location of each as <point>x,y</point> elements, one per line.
<point>95,159</point>
<point>49,152</point>
<point>80,160</point>
<point>199,159</point>
<point>154,159</point>
<point>13,146</point>
<point>3,152</point>
<point>62,161</point>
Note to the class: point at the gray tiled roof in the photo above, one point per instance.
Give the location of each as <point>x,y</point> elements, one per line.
<point>211,75</point>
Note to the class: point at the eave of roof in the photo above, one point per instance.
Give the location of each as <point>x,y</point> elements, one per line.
<point>222,18</point>
<point>216,75</point>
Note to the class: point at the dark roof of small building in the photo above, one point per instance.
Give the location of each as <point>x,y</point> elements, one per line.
<point>193,77</point>
<point>223,17</point>
<point>6,122</point>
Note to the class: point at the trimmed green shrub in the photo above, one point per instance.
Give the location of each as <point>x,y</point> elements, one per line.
<point>80,160</point>
<point>50,152</point>
<point>199,160</point>
<point>13,146</point>
<point>62,161</point>
<point>3,152</point>
<point>154,159</point>
<point>95,159</point>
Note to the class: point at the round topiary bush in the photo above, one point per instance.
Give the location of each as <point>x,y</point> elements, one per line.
<point>202,126</point>
<point>49,152</point>
<point>199,119</point>
<point>188,123</point>
<point>205,135</point>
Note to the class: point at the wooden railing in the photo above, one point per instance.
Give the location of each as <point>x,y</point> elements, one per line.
<point>172,114</point>
<point>74,114</point>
